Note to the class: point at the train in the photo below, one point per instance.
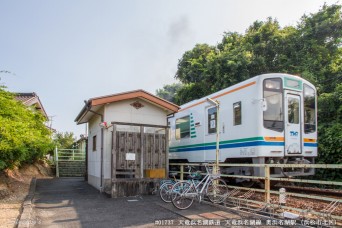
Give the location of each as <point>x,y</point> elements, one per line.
<point>267,119</point>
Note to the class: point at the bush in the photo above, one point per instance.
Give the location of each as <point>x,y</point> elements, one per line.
<point>23,135</point>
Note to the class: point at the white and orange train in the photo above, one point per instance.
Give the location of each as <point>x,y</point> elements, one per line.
<point>270,118</point>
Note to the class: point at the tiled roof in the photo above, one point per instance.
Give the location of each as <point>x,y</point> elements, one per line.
<point>24,97</point>
<point>98,101</point>
<point>30,99</point>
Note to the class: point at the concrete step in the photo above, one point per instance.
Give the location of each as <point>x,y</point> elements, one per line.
<point>71,168</point>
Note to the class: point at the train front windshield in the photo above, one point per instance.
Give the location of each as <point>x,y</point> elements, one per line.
<point>273,97</point>
<point>309,109</point>
<point>273,113</point>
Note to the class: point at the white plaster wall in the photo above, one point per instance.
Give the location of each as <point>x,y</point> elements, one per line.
<point>120,111</point>
<point>107,150</point>
<point>94,157</point>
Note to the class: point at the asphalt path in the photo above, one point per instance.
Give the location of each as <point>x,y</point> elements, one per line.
<point>71,202</point>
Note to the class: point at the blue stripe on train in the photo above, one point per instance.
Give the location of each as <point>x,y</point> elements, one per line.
<point>311,144</point>
<point>230,145</point>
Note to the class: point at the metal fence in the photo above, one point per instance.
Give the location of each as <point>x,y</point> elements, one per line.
<point>325,212</point>
<point>67,155</point>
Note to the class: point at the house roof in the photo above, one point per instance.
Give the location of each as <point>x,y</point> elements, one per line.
<point>31,99</point>
<point>94,104</point>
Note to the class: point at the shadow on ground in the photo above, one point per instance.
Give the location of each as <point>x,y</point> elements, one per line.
<point>71,202</point>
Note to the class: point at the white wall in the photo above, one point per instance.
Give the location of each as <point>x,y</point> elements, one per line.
<point>94,157</point>
<point>121,111</point>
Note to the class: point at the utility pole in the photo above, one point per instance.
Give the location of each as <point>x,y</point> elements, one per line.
<point>51,119</point>
<point>217,104</point>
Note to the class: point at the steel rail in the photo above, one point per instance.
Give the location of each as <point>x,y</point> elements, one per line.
<point>301,211</point>
<point>317,166</point>
<point>267,191</point>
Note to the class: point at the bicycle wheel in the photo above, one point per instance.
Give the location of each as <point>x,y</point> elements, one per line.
<point>165,192</point>
<point>217,190</point>
<point>182,195</point>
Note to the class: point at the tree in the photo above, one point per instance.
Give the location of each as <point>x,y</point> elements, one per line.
<point>168,92</point>
<point>64,140</point>
<point>23,135</point>
<point>330,132</point>
<point>311,49</point>
<point>194,72</point>
<point>320,40</point>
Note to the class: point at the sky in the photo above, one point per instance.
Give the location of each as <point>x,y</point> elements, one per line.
<point>69,51</point>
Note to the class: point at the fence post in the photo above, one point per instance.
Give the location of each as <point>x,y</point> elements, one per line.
<point>267,184</point>
<point>181,172</point>
<point>73,154</point>
<point>56,161</point>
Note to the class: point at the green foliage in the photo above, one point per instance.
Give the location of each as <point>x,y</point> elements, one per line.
<point>168,92</point>
<point>330,106</point>
<point>330,149</point>
<point>64,140</point>
<point>311,49</point>
<point>191,91</point>
<point>330,132</point>
<point>23,135</point>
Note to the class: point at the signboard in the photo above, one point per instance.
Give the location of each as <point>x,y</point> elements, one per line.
<point>130,156</point>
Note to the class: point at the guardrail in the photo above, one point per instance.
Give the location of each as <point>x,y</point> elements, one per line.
<point>267,183</point>
<point>69,155</point>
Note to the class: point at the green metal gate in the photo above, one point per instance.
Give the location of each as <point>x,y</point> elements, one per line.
<point>70,162</point>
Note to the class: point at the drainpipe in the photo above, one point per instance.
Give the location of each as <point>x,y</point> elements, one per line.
<point>88,106</point>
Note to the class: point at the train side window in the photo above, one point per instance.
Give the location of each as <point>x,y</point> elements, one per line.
<point>309,109</point>
<point>212,118</point>
<point>273,96</point>
<point>237,113</point>
<point>183,127</point>
<point>94,143</point>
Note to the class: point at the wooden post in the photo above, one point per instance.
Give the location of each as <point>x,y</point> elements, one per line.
<point>56,162</point>
<point>267,184</point>
<point>142,152</point>
<point>114,152</point>
<point>167,152</point>
<point>217,167</point>
<point>181,172</point>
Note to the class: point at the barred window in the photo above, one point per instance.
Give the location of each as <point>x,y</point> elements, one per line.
<point>94,143</point>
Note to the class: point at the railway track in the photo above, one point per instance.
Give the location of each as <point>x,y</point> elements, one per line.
<point>315,191</point>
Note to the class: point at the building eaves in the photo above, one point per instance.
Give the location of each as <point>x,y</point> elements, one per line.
<point>97,101</point>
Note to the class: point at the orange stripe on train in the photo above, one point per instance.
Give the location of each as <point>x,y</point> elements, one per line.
<point>274,139</point>
<point>309,140</point>
<point>219,95</point>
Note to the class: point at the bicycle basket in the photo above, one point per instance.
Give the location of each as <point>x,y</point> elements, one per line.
<point>213,175</point>
<point>196,175</point>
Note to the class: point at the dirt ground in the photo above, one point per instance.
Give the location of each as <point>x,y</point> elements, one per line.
<point>14,186</point>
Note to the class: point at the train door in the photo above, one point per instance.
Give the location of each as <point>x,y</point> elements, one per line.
<point>293,136</point>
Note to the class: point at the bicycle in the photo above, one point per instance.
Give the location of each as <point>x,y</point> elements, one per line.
<point>167,185</point>
<point>183,193</point>
<point>165,189</point>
